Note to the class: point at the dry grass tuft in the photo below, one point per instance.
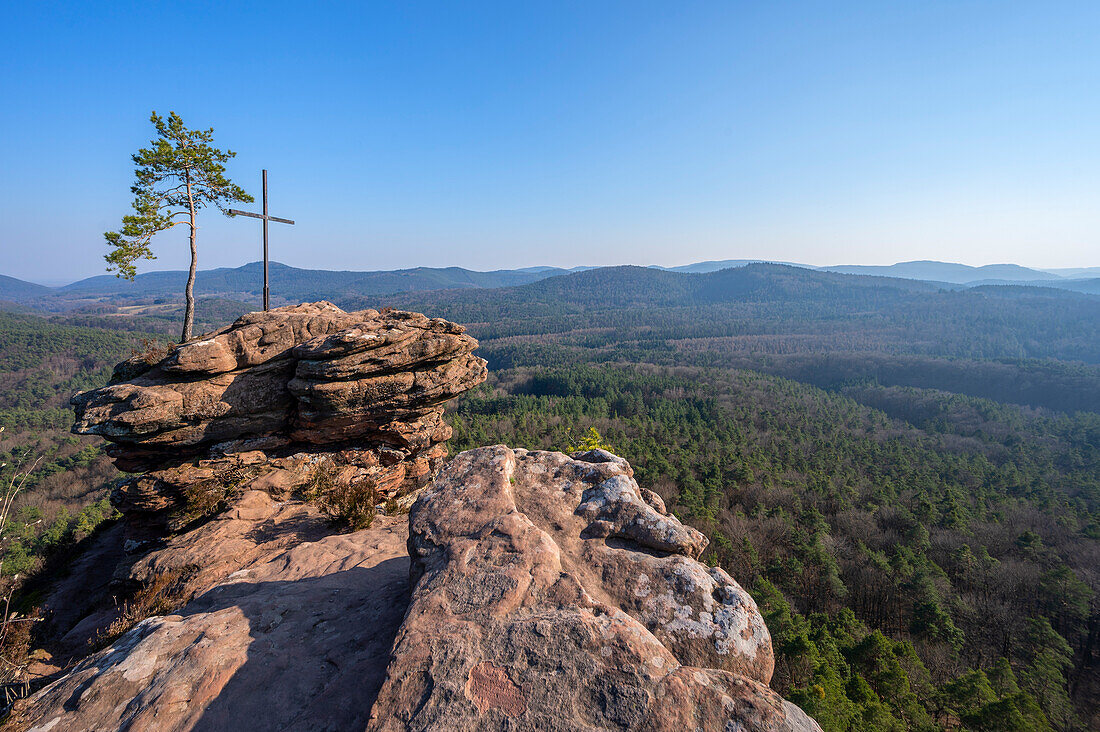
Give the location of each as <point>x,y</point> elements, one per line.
<point>163,596</point>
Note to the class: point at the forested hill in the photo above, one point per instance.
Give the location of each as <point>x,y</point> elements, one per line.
<point>15,290</point>
<point>793,288</point>
<point>42,364</point>
<point>297,284</point>
<point>1020,345</point>
<point>289,284</point>
<point>615,288</point>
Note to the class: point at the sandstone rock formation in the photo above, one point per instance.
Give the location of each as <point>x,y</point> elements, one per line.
<point>544,593</point>
<point>554,594</point>
<point>523,591</point>
<point>298,394</point>
<point>295,636</point>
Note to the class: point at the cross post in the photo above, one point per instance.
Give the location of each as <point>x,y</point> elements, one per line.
<point>265,218</point>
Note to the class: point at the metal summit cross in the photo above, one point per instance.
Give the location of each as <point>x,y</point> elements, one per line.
<point>265,217</point>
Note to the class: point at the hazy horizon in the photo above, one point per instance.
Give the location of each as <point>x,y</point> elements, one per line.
<point>151,268</point>
<point>501,136</point>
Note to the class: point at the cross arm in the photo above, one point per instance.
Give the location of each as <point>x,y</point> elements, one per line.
<point>235,212</point>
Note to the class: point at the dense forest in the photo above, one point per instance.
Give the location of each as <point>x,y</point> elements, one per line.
<point>64,496</point>
<point>906,477</point>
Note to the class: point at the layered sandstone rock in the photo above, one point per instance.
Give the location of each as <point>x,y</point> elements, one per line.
<point>298,395</point>
<point>543,593</point>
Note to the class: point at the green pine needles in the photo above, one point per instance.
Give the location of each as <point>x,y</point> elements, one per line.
<point>590,440</point>
<point>179,174</point>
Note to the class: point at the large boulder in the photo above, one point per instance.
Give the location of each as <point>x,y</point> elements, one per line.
<point>552,593</point>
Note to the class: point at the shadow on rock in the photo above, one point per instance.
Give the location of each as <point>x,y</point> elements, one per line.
<point>318,648</point>
<point>295,652</point>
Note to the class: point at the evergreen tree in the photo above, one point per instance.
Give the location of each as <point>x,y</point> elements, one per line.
<point>179,174</point>
<point>1048,656</point>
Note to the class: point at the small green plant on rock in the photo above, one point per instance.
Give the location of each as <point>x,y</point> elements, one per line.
<point>152,351</point>
<point>590,440</point>
<point>352,504</point>
<point>320,482</point>
<point>209,497</point>
<point>394,507</point>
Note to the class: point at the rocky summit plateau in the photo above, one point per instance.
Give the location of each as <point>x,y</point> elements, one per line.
<point>296,553</point>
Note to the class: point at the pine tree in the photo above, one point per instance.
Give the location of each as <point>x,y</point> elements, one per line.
<point>180,173</point>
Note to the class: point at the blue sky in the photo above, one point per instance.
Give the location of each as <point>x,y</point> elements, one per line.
<point>499,135</point>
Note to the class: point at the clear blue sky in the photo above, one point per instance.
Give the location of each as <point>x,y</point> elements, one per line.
<point>499,135</point>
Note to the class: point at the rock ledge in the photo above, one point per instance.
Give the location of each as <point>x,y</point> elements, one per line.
<point>298,394</point>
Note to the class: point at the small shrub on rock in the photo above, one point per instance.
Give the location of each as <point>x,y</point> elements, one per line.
<point>351,504</point>
<point>202,500</point>
<point>590,440</point>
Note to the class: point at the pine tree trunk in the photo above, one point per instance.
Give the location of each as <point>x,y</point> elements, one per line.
<point>189,306</point>
<point>189,294</point>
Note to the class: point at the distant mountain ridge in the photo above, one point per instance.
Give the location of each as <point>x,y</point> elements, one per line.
<point>959,274</point>
<point>245,283</point>
<point>1076,272</point>
<point>928,270</point>
<point>293,284</point>
<point>17,290</point>
<point>248,279</point>
<point>633,287</point>
<point>720,264</point>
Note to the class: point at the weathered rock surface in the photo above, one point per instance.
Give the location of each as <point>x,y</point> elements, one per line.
<point>553,594</point>
<point>292,638</point>
<point>310,373</point>
<point>543,593</point>
<point>547,593</point>
<point>296,395</point>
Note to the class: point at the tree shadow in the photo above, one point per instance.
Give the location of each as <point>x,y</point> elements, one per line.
<point>318,651</point>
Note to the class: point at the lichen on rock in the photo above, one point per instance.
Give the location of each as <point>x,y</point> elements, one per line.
<point>552,593</point>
